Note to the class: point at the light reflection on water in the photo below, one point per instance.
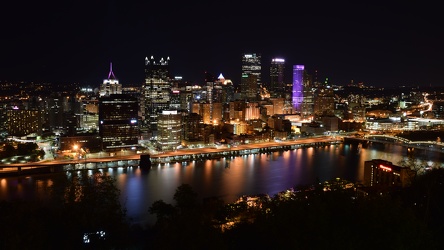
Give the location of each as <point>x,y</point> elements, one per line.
<point>227,178</point>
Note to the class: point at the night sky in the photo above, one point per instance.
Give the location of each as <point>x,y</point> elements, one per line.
<point>379,44</point>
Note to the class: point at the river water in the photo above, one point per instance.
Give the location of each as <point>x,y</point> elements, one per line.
<point>227,178</point>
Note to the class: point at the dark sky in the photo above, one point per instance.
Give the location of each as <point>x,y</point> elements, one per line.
<point>379,44</point>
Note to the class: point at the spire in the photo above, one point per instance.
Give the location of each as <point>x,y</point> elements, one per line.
<point>111,73</point>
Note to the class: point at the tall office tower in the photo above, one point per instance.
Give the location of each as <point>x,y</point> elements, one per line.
<point>277,84</point>
<point>308,93</point>
<point>157,92</point>
<point>175,98</point>
<point>251,65</point>
<point>110,85</point>
<point>297,93</point>
<point>118,126</point>
<point>225,90</point>
<point>169,130</point>
<point>324,100</point>
<point>250,92</point>
<point>186,98</point>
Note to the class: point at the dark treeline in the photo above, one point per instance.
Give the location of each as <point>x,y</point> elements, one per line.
<point>307,218</point>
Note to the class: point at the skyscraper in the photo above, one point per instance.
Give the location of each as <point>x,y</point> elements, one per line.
<point>297,93</point>
<point>118,125</point>
<point>157,90</point>
<point>277,84</point>
<point>169,130</point>
<point>251,65</point>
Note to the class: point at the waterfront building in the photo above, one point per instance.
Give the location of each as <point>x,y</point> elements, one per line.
<point>169,130</point>
<point>277,84</point>
<point>383,174</point>
<point>193,128</point>
<point>118,124</point>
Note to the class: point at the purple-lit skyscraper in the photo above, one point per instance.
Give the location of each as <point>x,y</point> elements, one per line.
<point>297,92</point>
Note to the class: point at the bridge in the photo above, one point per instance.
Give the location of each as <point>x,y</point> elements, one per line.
<point>391,139</point>
<point>183,155</point>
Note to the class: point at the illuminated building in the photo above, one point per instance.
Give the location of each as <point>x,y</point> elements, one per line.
<point>224,92</point>
<point>237,110</point>
<point>324,100</point>
<point>21,122</point>
<point>383,174</point>
<point>118,124</point>
<point>156,92</point>
<point>297,92</point>
<point>277,84</point>
<point>252,111</point>
<point>193,127</point>
<point>250,92</point>
<point>251,65</point>
<point>211,113</point>
<point>278,106</point>
<point>169,130</point>
<point>308,93</point>
<point>110,85</point>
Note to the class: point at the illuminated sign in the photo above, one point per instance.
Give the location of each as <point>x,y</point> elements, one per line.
<point>278,60</point>
<point>385,168</point>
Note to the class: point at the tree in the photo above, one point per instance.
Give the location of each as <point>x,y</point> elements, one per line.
<point>185,197</point>
<point>162,210</point>
<point>90,203</point>
<point>418,166</point>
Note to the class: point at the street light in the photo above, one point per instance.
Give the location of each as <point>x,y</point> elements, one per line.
<point>75,147</point>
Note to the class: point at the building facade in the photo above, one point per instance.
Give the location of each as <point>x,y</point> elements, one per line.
<point>297,92</point>
<point>277,79</point>
<point>383,174</point>
<point>156,92</point>
<point>251,65</point>
<point>118,123</point>
<point>169,130</point>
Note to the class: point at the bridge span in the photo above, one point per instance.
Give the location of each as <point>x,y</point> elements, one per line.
<point>390,139</point>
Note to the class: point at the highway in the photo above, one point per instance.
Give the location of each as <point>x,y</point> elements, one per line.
<point>130,155</point>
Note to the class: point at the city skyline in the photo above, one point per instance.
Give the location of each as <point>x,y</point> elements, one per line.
<point>380,45</point>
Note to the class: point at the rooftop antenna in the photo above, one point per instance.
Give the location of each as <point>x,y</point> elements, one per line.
<point>111,73</point>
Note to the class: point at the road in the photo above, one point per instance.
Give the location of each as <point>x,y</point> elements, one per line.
<point>130,155</point>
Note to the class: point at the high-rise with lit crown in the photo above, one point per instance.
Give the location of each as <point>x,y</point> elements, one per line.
<point>110,85</point>
<point>156,92</point>
<point>251,65</point>
<point>297,92</point>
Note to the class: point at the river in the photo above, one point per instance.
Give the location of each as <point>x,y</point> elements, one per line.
<point>227,178</point>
